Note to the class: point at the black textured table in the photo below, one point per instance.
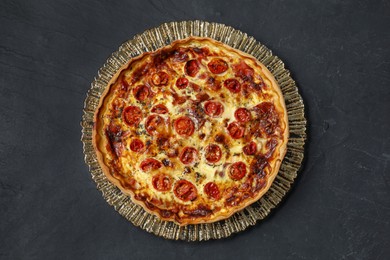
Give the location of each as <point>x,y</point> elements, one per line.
<point>339,55</point>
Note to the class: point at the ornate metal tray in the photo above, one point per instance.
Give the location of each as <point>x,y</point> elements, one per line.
<point>158,37</point>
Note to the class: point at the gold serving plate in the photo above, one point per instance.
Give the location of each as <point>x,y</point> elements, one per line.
<point>154,39</point>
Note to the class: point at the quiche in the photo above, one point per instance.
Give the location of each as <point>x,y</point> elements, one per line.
<point>193,132</point>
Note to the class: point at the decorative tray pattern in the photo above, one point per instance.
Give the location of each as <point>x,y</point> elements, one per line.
<point>156,38</point>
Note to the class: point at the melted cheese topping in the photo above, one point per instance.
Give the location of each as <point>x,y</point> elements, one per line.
<point>200,172</point>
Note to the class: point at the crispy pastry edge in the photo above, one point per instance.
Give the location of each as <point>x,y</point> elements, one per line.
<point>199,220</point>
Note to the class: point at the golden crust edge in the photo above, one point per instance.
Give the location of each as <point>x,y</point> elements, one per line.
<point>271,177</point>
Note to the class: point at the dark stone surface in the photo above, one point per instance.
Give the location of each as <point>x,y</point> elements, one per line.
<point>338,52</point>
